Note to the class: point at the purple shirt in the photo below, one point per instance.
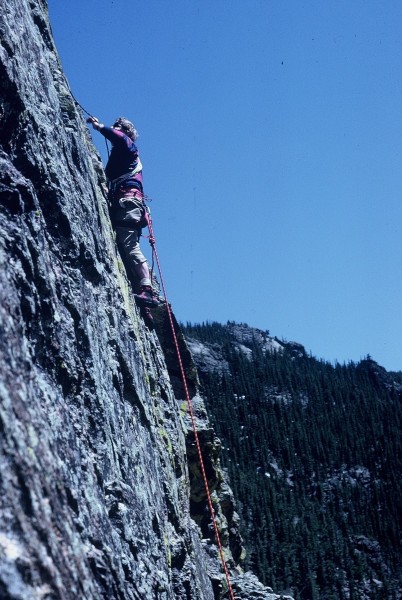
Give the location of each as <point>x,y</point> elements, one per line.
<point>123,158</point>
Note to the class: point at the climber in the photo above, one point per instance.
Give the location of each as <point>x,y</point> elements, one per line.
<point>127,211</point>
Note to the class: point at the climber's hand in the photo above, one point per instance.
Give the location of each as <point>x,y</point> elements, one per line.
<point>95,122</point>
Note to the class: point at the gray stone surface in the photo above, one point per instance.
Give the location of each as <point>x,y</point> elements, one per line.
<point>100,495</point>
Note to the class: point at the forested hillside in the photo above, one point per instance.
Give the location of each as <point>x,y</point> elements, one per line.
<point>313,451</point>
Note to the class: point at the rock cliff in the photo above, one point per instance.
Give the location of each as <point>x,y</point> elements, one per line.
<point>100,490</point>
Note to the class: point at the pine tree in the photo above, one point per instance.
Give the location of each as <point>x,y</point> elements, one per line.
<point>313,451</point>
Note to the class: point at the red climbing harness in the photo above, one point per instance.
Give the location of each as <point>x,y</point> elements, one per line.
<point>204,476</point>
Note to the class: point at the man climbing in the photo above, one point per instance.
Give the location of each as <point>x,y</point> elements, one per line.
<point>127,211</point>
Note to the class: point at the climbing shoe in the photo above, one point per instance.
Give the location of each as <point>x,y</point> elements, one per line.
<point>146,296</point>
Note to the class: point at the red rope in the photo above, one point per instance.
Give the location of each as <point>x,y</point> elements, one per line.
<point>204,476</point>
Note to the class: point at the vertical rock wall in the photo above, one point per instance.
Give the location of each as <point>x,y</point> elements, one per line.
<point>97,465</point>
<point>94,482</point>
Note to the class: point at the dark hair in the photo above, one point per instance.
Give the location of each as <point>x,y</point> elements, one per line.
<point>127,127</point>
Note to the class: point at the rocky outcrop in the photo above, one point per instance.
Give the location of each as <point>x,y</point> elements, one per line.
<point>100,493</point>
<point>245,340</point>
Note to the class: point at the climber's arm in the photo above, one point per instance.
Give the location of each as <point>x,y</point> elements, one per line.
<point>96,124</point>
<point>115,136</point>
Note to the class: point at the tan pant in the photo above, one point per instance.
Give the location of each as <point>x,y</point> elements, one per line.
<point>128,243</point>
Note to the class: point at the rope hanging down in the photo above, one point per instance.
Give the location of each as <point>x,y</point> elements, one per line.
<point>176,343</point>
<point>204,476</point>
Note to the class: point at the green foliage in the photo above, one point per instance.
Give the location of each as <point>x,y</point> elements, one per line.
<point>313,451</point>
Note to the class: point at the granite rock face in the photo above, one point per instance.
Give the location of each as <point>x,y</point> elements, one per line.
<point>244,340</point>
<point>100,492</point>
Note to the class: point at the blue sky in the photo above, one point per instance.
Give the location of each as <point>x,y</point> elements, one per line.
<point>271,139</point>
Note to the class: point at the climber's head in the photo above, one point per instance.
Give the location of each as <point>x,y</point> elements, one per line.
<point>126,127</point>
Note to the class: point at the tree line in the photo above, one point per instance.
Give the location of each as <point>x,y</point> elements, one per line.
<point>313,451</point>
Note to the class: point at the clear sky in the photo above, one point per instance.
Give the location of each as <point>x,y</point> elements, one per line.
<point>271,139</point>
